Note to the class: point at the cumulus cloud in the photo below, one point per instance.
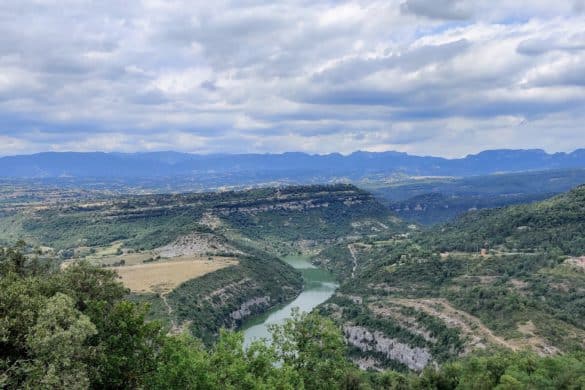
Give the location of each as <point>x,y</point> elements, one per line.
<point>565,42</point>
<point>443,77</point>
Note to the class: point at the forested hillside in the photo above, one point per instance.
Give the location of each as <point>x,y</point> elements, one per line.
<point>557,224</point>
<point>497,292</point>
<point>509,278</point>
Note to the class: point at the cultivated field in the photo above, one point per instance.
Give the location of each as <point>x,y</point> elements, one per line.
<point>162,277</point>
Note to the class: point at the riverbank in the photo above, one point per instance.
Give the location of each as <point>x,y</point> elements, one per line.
<point>318,286</point>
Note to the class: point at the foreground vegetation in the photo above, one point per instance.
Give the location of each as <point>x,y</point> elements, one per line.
<point>74,329</point>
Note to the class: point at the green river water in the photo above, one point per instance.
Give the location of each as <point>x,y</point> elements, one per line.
<point>319,285</point>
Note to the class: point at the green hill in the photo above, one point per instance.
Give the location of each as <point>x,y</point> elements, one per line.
<point>556,224</point>
<point>432,296</point>
<point>439,315</point>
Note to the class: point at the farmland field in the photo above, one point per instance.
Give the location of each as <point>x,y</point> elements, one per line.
<point>162,277</point>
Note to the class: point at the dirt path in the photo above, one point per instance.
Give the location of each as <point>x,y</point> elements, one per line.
<point>175,328</point>
<point>469,325</point>
<point>169,311</point>
<point>354,259</point>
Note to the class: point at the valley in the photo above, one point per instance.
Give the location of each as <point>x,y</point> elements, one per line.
<point>405,297</point>
<point>292,195</point>
<point>206,260</point>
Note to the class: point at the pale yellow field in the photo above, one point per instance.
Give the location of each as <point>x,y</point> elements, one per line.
<point>163,276</point>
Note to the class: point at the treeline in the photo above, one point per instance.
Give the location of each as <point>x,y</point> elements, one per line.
<point>74,329</point>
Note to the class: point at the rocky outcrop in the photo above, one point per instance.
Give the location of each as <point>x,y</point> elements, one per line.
<point>299,199</point>
<point>299,205</point>
<point>250,307</point>
<point>366,340</point>
<point>225,293</point>
<point>196,244</point>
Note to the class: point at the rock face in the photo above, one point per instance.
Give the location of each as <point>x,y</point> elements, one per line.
<point>275,204</point>
<point>362,338</point>
<point>196,244</point>
<point>249,307</point>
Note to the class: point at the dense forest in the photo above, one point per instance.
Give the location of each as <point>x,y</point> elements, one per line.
<point>556,224</point>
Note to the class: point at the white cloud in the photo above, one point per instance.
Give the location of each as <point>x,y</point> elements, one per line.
<point>442,77</point>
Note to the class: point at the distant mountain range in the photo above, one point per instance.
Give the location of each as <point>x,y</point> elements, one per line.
<point>286,166</point>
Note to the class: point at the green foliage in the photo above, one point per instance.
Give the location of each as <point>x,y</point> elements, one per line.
<point>147,222</point>
<point>313,223</point>
<point>522,277</point>
<point>509,371</point>
<point>314,347</point>
<point>57,341</point>
<point>72,329</point>
<point>182,363</point>
<point>126,344</point>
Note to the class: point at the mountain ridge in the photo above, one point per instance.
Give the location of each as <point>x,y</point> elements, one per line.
<point>297,166</point>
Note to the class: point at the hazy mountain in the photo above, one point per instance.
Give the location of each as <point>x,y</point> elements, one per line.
<point>295,166</point>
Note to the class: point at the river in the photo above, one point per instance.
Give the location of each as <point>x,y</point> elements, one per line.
<point>319,285</point>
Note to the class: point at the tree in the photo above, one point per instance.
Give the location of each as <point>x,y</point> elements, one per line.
<point>57,345</point>
<point>314,347</point>
<point>182,363</point>
<point>126,344</point>
<point>252,368</point>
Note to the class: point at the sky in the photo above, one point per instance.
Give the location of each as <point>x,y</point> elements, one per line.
<point>428,77</point>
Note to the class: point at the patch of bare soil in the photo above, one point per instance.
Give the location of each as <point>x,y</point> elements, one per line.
<point>210,220</point>
<point>536,342</point>
<point>577,262</point>
<point>162,277</point>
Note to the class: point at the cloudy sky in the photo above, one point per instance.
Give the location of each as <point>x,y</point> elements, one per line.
<point>438,77</point>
